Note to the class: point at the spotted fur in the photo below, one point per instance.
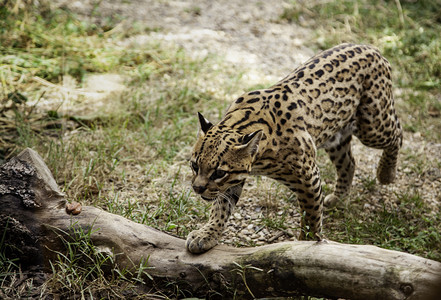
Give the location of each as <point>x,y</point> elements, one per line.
<point>343,91</point>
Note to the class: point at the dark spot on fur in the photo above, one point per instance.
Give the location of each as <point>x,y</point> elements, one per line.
<point>239,100</point>
<point>319,73</point>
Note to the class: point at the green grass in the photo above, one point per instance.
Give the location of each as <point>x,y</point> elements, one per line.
<point>172,211</point>
<point>52,43</point>
<point>407,227</point>
<point>87,272</point>
<point>7,264</point>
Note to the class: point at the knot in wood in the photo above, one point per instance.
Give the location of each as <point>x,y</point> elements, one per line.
<point>406,288</point>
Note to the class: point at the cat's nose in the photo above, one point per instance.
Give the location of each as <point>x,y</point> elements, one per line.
<point>199,189</point>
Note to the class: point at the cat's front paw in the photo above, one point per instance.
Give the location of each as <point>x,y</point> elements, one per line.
<point>200,241</point>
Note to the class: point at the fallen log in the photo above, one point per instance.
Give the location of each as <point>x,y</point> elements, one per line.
<point>33,210</point>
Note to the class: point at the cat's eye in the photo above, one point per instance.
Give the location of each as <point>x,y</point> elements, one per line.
<point>218,174</point>
<point>194,166</point>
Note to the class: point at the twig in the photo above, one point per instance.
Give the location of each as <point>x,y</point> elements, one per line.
<point>272,239</point>
<point>33,106</point>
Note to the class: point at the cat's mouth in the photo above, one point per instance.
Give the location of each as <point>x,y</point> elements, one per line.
<point>208,198</point>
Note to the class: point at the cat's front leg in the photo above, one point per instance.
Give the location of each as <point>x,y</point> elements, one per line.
<point>205,238</point>
<point>307,185</point>
<point>310,199</point>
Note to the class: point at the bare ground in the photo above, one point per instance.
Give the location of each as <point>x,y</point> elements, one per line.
<point>251,39</point>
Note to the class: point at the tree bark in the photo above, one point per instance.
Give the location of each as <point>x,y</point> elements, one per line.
<point>33,210</point>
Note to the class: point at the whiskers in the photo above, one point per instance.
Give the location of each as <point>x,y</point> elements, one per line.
<point>226,196</point>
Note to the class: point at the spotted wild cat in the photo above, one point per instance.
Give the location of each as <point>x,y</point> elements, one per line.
<point>340,92</point>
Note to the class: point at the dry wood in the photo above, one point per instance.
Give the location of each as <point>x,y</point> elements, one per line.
<point>32,206</point>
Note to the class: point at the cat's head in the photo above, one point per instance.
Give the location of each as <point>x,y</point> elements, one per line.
<point>222,158</point>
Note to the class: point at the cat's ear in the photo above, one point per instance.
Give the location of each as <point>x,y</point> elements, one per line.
<point>205,125</point>
<point>250,142</point>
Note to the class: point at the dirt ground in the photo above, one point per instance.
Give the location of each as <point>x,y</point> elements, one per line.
<point>249,34</point>
<point>251,37</point>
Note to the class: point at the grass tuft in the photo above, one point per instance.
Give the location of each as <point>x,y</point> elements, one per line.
<point>407,226</point>
<point>86,272</point>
